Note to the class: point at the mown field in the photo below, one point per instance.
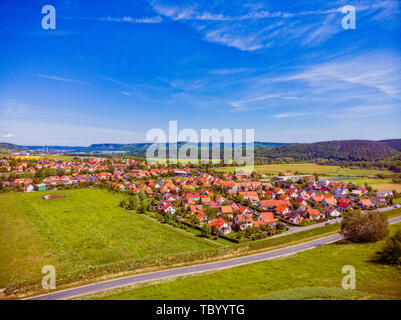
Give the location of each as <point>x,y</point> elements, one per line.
<point>358,175</point>
<point>313,274</point>
<point>75,234</point>
<point>310,168</point>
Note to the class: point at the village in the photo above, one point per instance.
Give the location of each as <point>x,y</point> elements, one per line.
<point>234,206</point>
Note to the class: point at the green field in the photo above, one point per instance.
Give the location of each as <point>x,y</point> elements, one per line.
<point>313,274</point>
<point>310,168</point>
<point>80,233</point>
<point>355,174</point>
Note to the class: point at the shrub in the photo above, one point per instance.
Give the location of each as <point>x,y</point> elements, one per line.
<point>391,252</point>
<point>369,227</point>
<point>123,203</point>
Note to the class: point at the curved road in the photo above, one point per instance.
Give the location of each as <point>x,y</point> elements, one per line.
<point>211,266</point>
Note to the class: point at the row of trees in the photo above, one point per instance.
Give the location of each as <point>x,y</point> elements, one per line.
<point>372,227</point>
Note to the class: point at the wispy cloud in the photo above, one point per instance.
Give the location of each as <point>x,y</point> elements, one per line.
<point>294,114</point>
<point>246,103</point>
<point>251,28</point>
<point>57,78</point>
<point>364,111</point>
<point>126,19</point>
<point>346,87</point>
<point>230,71</point>
<point>379,71</point>
<point>8,135</point>
<point>70,134</point>
<point>13,107</point>
<point>156,19</point>
<point>122,83</point>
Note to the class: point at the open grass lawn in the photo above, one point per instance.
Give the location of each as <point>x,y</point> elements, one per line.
<point>387,186</point>
<point>274,169</point>
<point>376,184</point>
<point>313,274</point>
<point>84,230</point>
<point>358,175</point>
<point>310,168</point>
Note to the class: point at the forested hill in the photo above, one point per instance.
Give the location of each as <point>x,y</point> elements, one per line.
<point>392,143</point>
<point>349,150</point>
<point>9,146</point>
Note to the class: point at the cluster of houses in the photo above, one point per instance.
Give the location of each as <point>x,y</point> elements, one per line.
<point>224,202</point>
<point>267,202</point>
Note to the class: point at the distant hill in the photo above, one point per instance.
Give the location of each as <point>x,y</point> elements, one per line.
<point>350,150</point>
<point>136,148</point>
<point>392,143</point>
<point>10,147</point>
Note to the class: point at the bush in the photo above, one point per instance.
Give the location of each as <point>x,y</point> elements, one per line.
<point>124,203</point>
<point>391,252</point>
<point>9,290</point>
<point>369,227</point>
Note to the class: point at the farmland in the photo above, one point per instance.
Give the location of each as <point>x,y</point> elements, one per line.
<point>78,233</point>
<point>311,168</point>
<point>312,274</point>
<point>356,174</point>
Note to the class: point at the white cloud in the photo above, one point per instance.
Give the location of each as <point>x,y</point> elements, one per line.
<point>51,77</point>
<point>156,19</point>
<point>41,133</point>
<point>8,135</point>
<point>376,70</point>
<point>246,103</point>
<point>365,111</point>
<point>12,107</point>
<point>294,114</point>
<point>251,28</point>
<point>230,71</point>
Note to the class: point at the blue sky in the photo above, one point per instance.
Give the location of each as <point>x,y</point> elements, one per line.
<point>112,70</point>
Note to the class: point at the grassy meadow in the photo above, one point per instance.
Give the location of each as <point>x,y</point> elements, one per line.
<point>85,230</point>
<point>310,168</point>
<point>312,274</point>
<point>356,174</point>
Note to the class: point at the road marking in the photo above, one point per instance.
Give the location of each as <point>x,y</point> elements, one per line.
<point>193,269</point>
<point>186,232</point>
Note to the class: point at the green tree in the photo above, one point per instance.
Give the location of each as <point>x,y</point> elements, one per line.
<point>142,208</point>
<point>206,231</point>
<point>369,227</point>
<point>391,252</point>
<point>133,203</point>
<point>124,203</point>
<point>141,195</point>
<point>60,172</point>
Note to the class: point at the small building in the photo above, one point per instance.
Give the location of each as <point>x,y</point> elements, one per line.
<point>331,212</point>
<point>221,225</point>
<point>295,178</point>
<point>244,221</point>
<point>41,187</point>
<point>365,203</point>
<point>267,218</point>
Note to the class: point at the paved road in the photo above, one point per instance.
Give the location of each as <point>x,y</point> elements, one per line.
<point>293,229</point>
<point>121,282</point>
